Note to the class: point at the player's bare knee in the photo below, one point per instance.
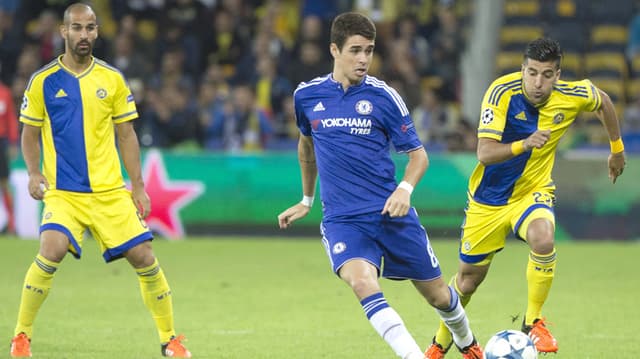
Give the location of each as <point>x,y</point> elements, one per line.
<point>540,236</point>
<point>542,244</point>
<point>53,253</point>
<point>54,245</point>
<point>54,256</point>
<point>363,286</point>
<point>140,256</point>
<point>440,299</point>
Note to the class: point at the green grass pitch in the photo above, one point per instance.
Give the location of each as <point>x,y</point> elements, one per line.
<point>268,298</point>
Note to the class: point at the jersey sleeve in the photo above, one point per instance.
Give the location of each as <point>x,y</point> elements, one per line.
<point>493,112</point>
<point>124,106</point>
<point>581,95</point>
<point>301,119</point>
<point>594,101</point>
<point>398,123</point>
<point>32,110</point>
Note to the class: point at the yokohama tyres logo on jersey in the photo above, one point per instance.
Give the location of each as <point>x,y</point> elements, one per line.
<point>357,125</point>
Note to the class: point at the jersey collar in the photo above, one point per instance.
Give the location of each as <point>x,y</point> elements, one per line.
<point>83,73</point>
<point>336,82</point>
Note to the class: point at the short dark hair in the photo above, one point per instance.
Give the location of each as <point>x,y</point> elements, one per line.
<point>544,49</point>
<point>349,24</point>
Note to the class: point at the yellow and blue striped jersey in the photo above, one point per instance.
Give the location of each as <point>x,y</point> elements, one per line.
<point>77,114</point>
<point>507,116</point>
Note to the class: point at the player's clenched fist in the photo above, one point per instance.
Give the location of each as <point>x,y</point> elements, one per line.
<point>537,139</point>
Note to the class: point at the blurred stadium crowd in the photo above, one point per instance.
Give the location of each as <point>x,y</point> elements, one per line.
<point>218,75</point>
<point>600,41</point>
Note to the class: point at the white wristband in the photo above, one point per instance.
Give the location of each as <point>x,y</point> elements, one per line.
<point>406,186</point>
<point>307,201</point>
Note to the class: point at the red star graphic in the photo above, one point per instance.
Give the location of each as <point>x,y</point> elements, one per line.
<point>167,197</point>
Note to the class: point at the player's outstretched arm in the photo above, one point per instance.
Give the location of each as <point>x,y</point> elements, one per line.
<point>607,115</point>
<point>308,172</point>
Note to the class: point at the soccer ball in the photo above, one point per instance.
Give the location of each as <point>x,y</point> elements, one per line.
<point>510,344</point>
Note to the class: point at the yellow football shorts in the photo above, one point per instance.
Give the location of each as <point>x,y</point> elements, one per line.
<point>111,217</point>
<point>485,228</point>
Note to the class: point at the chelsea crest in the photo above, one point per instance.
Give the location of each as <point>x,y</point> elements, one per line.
<point>364,107</point>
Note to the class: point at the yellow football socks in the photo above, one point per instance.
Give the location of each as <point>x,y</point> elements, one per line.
<point>37,283</point>
<point>157,297</point>
<point>540,271</point>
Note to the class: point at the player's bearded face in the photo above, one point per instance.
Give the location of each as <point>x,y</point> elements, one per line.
<point>81,33</point>
<point>539,78</point>
<point>355,58</point>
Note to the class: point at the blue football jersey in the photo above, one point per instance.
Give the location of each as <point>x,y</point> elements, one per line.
<point>352,132</point>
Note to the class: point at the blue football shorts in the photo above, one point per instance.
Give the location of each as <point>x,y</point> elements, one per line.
<point>399,247</point>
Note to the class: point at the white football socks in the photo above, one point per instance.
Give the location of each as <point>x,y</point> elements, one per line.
<point>456,320</point>
<point>391,328</point>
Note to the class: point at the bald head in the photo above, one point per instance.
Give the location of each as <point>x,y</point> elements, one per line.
<point>77,9</point>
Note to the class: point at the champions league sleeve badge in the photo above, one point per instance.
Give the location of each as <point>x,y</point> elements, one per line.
<point>487,116</point>
<point>25,103</point>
